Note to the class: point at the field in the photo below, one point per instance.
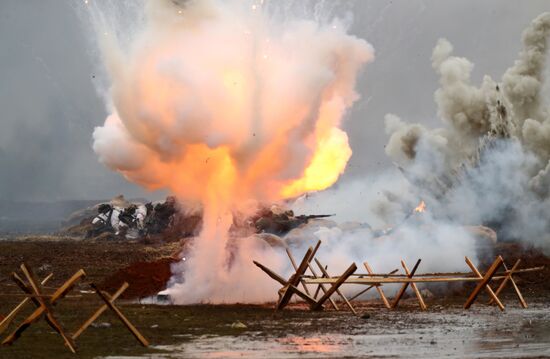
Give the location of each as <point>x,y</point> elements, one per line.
<point>258,331</point>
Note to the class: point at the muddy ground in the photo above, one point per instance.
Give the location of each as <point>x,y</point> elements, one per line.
<point>257,331</point>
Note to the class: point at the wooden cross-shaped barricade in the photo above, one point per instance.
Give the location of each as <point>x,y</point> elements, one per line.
<point>508,278</point>
<point>5,322</point>
<point>378,286</point>
<point>484,281</point>
<point>373,280</point>
<point>491,274</point>
<point>312,270</point>
<point>410,275</point>
<point>335,287</point>
<point>290,286</point>
<point>110,304</point>
<point>45,306</point>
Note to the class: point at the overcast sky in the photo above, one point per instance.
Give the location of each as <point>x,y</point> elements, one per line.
<point>49,107</point>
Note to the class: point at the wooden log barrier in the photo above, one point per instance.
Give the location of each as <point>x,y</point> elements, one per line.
<point>405,285</point>
<point>484,283</point>
<point>109,302</point>
<point>100,311</point>
<point>509,278</point>
<point>9,318</point>
<point>323,270</point>
<point>414,287</point>
<point>319,305</point>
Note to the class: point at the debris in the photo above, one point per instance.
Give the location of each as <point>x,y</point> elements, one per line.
<point>101,325</point>
<point>365,316</point>
<point>426,293</point>
<point>238,325</point>
<point>44,268</point>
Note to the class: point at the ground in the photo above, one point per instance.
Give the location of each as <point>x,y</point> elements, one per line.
<point>218,331</point>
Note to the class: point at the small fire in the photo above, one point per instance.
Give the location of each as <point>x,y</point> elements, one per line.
<point>421,207</point>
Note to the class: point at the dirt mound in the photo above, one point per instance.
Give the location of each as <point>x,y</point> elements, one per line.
<point>145,278</point>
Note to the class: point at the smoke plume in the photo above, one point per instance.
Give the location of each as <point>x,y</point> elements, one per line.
<point>490,161</point>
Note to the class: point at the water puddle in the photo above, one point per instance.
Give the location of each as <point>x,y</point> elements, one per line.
<point>453,333</point>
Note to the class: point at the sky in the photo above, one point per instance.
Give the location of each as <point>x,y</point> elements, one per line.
<point>49,105</point>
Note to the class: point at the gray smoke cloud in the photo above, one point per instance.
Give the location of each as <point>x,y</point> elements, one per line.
<point>489,161</point>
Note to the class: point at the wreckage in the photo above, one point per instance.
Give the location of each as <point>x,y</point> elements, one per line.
<point>119,218</point>
<point>279,222</point>
<point>168,220</point>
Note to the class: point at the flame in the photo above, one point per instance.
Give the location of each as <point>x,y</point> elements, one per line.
<point>328,162</point>
<point>421,207</point>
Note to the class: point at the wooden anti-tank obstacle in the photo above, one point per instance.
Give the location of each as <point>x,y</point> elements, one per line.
<point>374,280</point>
<point>45,303</point>
<point>290,286</point>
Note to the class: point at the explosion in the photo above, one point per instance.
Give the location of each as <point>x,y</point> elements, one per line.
<point>222,104</point>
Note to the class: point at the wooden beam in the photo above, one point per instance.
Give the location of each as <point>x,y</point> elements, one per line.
<point>294,280</point>
<point>321,287</point>
<point>310,300</point>
<point>511,279</point>
<point>109,302</point>
<point>295,266</point>
<point>369,287</point>
<point>285,284</point>
<point>270,273</point>
<point>100,311</point>
<point>319,305</point>
<point>378,287</point>
<point>357,295</point>
<point>317,245</point>
<point>414,287</point>
<point>484,283</point>
<point>518,293</point>
<point>405,285</point>
<point>323,270</point>
<point>382,280</point>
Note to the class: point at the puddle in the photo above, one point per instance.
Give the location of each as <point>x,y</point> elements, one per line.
<point>453,333</point>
